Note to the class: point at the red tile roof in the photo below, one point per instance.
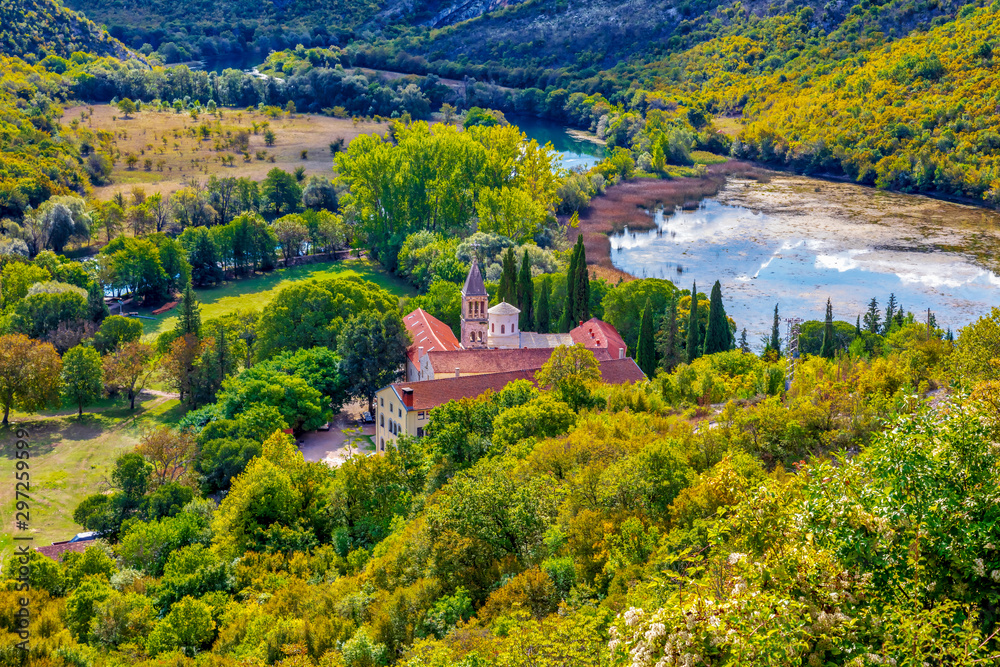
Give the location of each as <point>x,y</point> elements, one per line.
<point>430,394</point>
<point>56,550</point>
<point>596,334</point>
<point>493,361</point>
<point>428,332</point>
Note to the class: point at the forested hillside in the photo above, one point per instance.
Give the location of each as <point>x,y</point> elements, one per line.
<point>37,28</point>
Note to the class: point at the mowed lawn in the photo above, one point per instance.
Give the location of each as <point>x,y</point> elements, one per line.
<point>255,293</point>
<point>70,459</point>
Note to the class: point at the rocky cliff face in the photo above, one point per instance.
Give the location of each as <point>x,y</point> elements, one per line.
<point>463,10</point>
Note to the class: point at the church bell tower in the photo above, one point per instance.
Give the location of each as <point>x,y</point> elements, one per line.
<point>475,303</point>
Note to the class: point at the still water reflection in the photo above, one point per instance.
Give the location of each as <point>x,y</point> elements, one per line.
<point>796,241</point>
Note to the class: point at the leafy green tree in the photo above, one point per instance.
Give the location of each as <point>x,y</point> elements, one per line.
<point>443,300</point>
<point>188,314</point>
<point>189,626</point>
<point>281,191</point>
<point>623,305</point>
<point>313,314</point>
<point>115,331</point>
<point>645,355</point>
<point>128,367</point>
<point>202,255</point>
<point>16,278</point>
<point>48,306</point>
<point>30,375</point>
<point>83,377</point>
<point>126,106</point>
<point>487,505</point>
<point>372,349</point>
<point>292,235</point>
<point>717,337</point>
<point>300,406</point>
<point>571,370</point>
<point>693,346</point>
<point>95,301</point>
<point>81,606</point>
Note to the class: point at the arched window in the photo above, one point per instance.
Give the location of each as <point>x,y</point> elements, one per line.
<point>493,328</point>
<point>381,419</point>
<point>502,327</point>
<point>382,443</point>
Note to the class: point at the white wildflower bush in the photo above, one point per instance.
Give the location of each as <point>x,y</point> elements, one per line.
<point>884,559</point>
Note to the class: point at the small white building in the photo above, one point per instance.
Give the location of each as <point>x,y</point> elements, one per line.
<point>503,333</point>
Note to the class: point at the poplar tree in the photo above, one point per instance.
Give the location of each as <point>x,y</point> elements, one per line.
<point>542,316</point>
<point>717,335</point>
<point>775,343</point>
<point>829,345</point>
<point>857,327</point>
<point>526,295</point>
<point>693,345</point>
<point>645,351</point>
<point>189,317</point>
<point>582,291</point>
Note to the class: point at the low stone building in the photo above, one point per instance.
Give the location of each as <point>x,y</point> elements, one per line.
<point>405,407</point>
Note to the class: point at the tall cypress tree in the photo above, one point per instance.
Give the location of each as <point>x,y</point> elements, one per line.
<point>526,295</point>
<point>829,344</point>
<point>693,345</point>
<point>667,341</point>
<point>645,354</point>
<point>582,292</point>
<point>717,335</point>
<point>189,317</point>
<point>775,343</point>
<point>569,308</point>
<point>857,327</point>
<point>542,316</point>
<point>508,280</point>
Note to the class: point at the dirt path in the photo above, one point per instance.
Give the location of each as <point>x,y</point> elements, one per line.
<point>343,439</point>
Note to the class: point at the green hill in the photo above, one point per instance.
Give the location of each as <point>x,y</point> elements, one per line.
<point>37,28</point>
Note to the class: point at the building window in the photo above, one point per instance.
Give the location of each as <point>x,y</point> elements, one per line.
<point>420,431</point>
<point>381,419</point>
<point>493,328</point>
<point>401,413</point>
<point>391,408</point>
<point>382,443</point>
<point>381,401</point>
<point>502,327</point>
<point>420,415</point>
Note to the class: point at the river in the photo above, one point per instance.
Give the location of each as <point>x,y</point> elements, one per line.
<point>574,151</point>
<point>797,241</point>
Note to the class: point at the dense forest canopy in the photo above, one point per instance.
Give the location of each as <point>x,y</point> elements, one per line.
<point>739,506</point>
